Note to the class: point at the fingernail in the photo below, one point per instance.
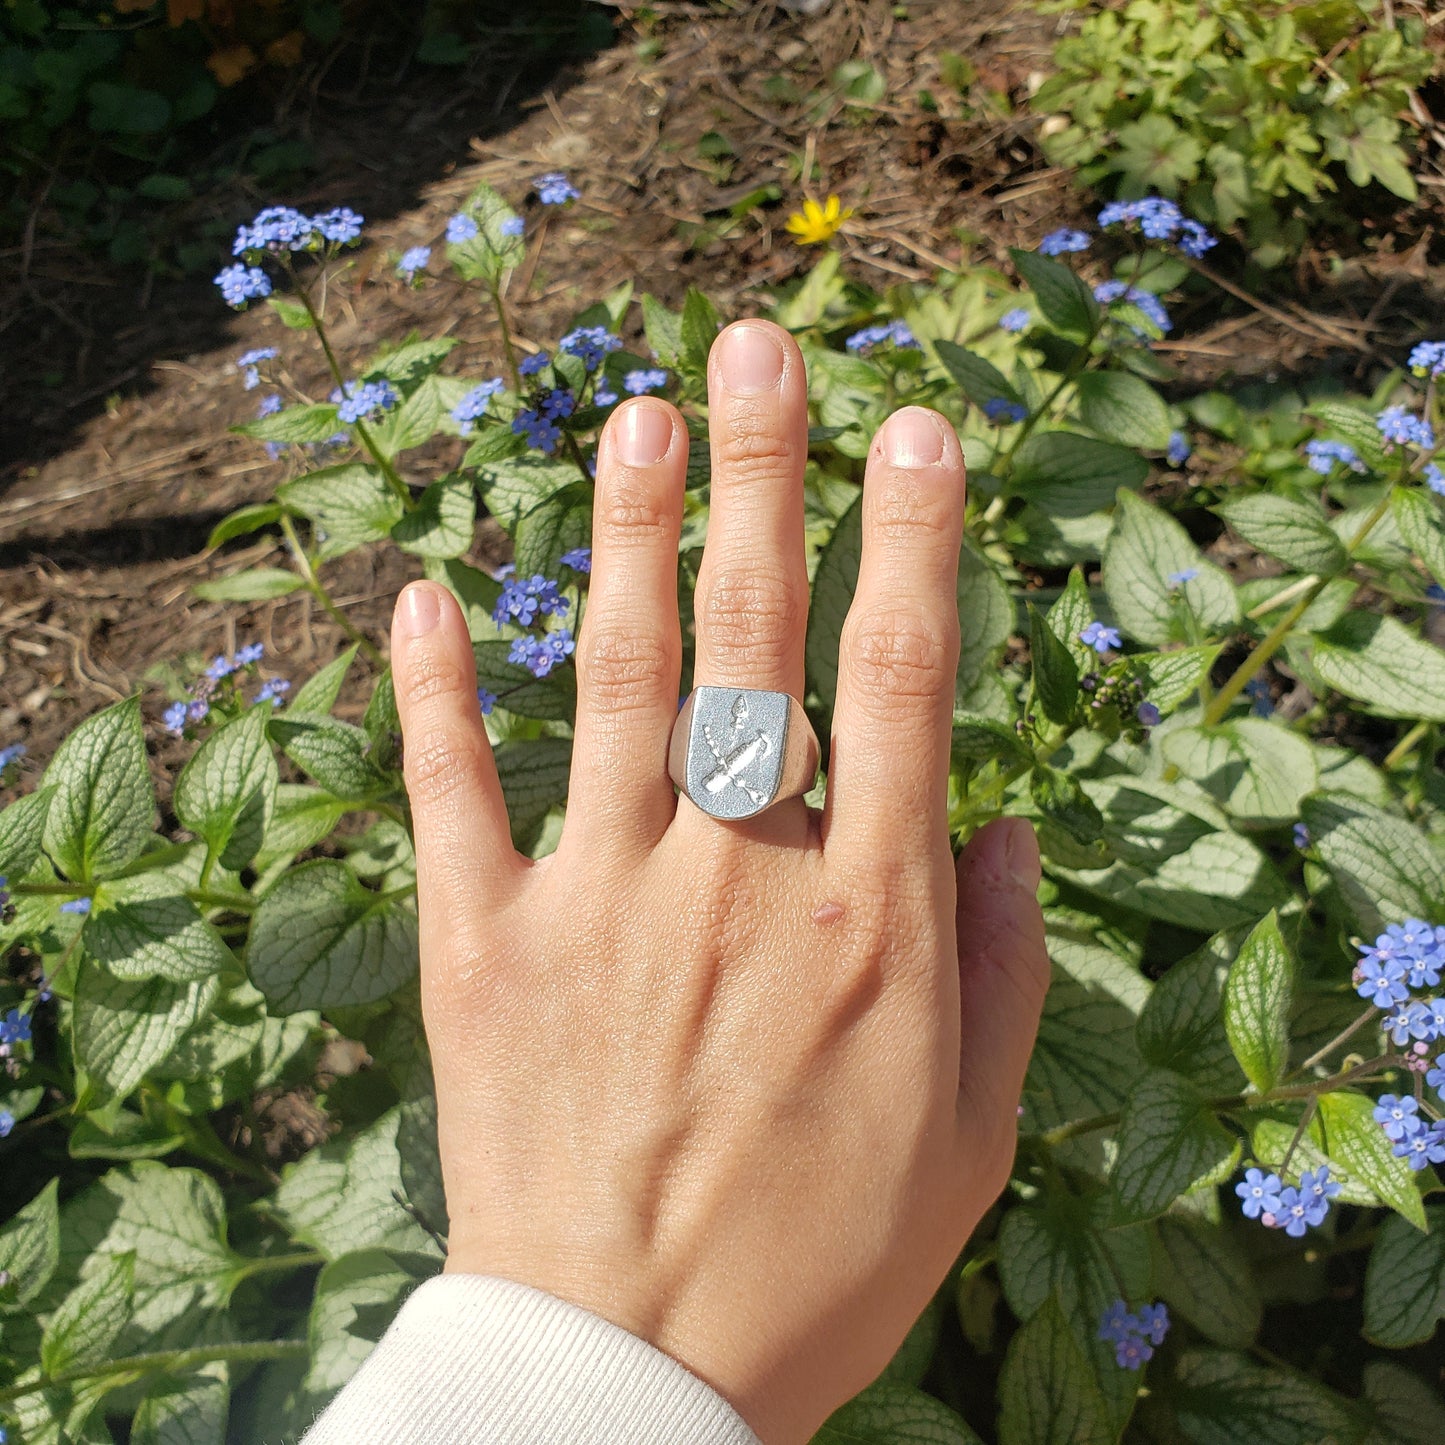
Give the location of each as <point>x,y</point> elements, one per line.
<point>419,611</point>
<point>644,434</point>
<point>915,438</point>
<point>1021,853</point>
<point>750,360</point>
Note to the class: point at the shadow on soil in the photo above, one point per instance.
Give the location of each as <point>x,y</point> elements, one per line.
<point>75,330</point>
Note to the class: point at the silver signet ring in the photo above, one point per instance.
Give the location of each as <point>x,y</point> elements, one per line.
<point>737,751</point>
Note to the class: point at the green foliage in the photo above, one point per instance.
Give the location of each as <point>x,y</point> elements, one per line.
<point>1203,1011</point>
<point>1261,116</point>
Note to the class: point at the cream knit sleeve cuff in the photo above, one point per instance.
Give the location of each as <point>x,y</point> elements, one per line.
<point>472,1360</point>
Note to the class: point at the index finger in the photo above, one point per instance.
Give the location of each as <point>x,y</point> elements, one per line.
<point>898,654</point>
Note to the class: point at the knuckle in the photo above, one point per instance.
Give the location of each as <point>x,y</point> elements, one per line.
<point>628,507</point>
<point>899,654</point>
<point>443,767</point>
<point>434,675</point>
<point>619,667</point>
<point>752,611</point>
<point>752,448</point>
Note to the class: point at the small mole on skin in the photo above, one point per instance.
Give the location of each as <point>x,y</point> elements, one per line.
<point>826,913</point>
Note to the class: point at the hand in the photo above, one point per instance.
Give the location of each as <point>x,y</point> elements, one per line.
<point>742,1089</point>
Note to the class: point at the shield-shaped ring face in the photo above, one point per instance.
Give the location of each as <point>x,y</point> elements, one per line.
<point>735,750</point>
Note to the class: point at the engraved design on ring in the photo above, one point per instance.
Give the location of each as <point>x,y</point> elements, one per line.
<point>737,751</point>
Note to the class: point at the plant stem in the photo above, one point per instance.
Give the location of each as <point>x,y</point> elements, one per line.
<point>507,346</point>
<point>1274,639</point>
<point>171,1362</point>
<point>1405,746</point>
<point>237,902</point>
<point>1335,1042</point>
<point>1232,1103</point>
<point>276,1264</point>
<point>318,591</point>
<point>393,480</point>
<point>1285,594</point>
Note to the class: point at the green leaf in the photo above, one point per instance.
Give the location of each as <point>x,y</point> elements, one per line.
<point>30,1249</point>
<point>476,593</point>
<point>979,740</point>
<point>243,521</point>
<point>492,252</point>
<point>1258,771</point>
<point>357,1296</point>
<point>343,1196</point>
<point>298,424</point>
<point>319,692</point>
<point>1068,475</point>
<point>1258,994</point>
<point>256,584</point>
<point>889,1414</point>
<point>1123,408</point>
<point>1169,1143</point>
<point>833,586</point>
<point>699,329</point>
<point>1071,614</point>
<point>1172,678</point>
<point>411,361</point>
<point>121,1030</point>
<point>1405,1282</point>
<point>1047,1393</point>
<point>1061,801</point>
<point>151,931</point>
<point>1206,1278</point>
<point>188,1410</point>
<point>517,486</point>
<point>1385,867</point>
<point>421,1168</point>
<point>1407,1411</point>
<point>663,329</point>
<point>979,380</point>
<point>1182,1026</point>
<point>1354,425</point>
<point>319,939</point>
<point>351,504</point>
<point>1379,662</point>
<point>292,313</point>
<point>1359,1149</point>
<point>1055,673</point>
<point>1054,1251</point>
<point>334,753</point>
<point>103,805</point>
<point>986,616</point>
<point>552,698</point>
<point>534,776</point>
<point>561,523</point>
<point>1145,548</point>
<point>126,109</point>
<point>227,792</point>
<point>1062,296</point>
<point>22,832</point>
<point>174,1222</point>
<point>90,1317</point>
<point>444,521</point>
<point>1223,1399</point>
<point>1295,532</point>
<point>1418,519</point>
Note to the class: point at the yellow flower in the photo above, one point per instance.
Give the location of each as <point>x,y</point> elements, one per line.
<point>815,224</point>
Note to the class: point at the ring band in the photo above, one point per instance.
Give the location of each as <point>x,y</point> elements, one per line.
<point>737,751</point>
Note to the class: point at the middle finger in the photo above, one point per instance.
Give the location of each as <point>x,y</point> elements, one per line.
<point>752,591</point>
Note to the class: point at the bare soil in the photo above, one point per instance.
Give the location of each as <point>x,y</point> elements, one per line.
<point>116,459</point>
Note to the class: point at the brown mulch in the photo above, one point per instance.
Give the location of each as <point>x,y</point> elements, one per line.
<point>119,474</point>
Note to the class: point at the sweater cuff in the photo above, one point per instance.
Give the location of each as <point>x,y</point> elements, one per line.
<point>472,1360</point>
